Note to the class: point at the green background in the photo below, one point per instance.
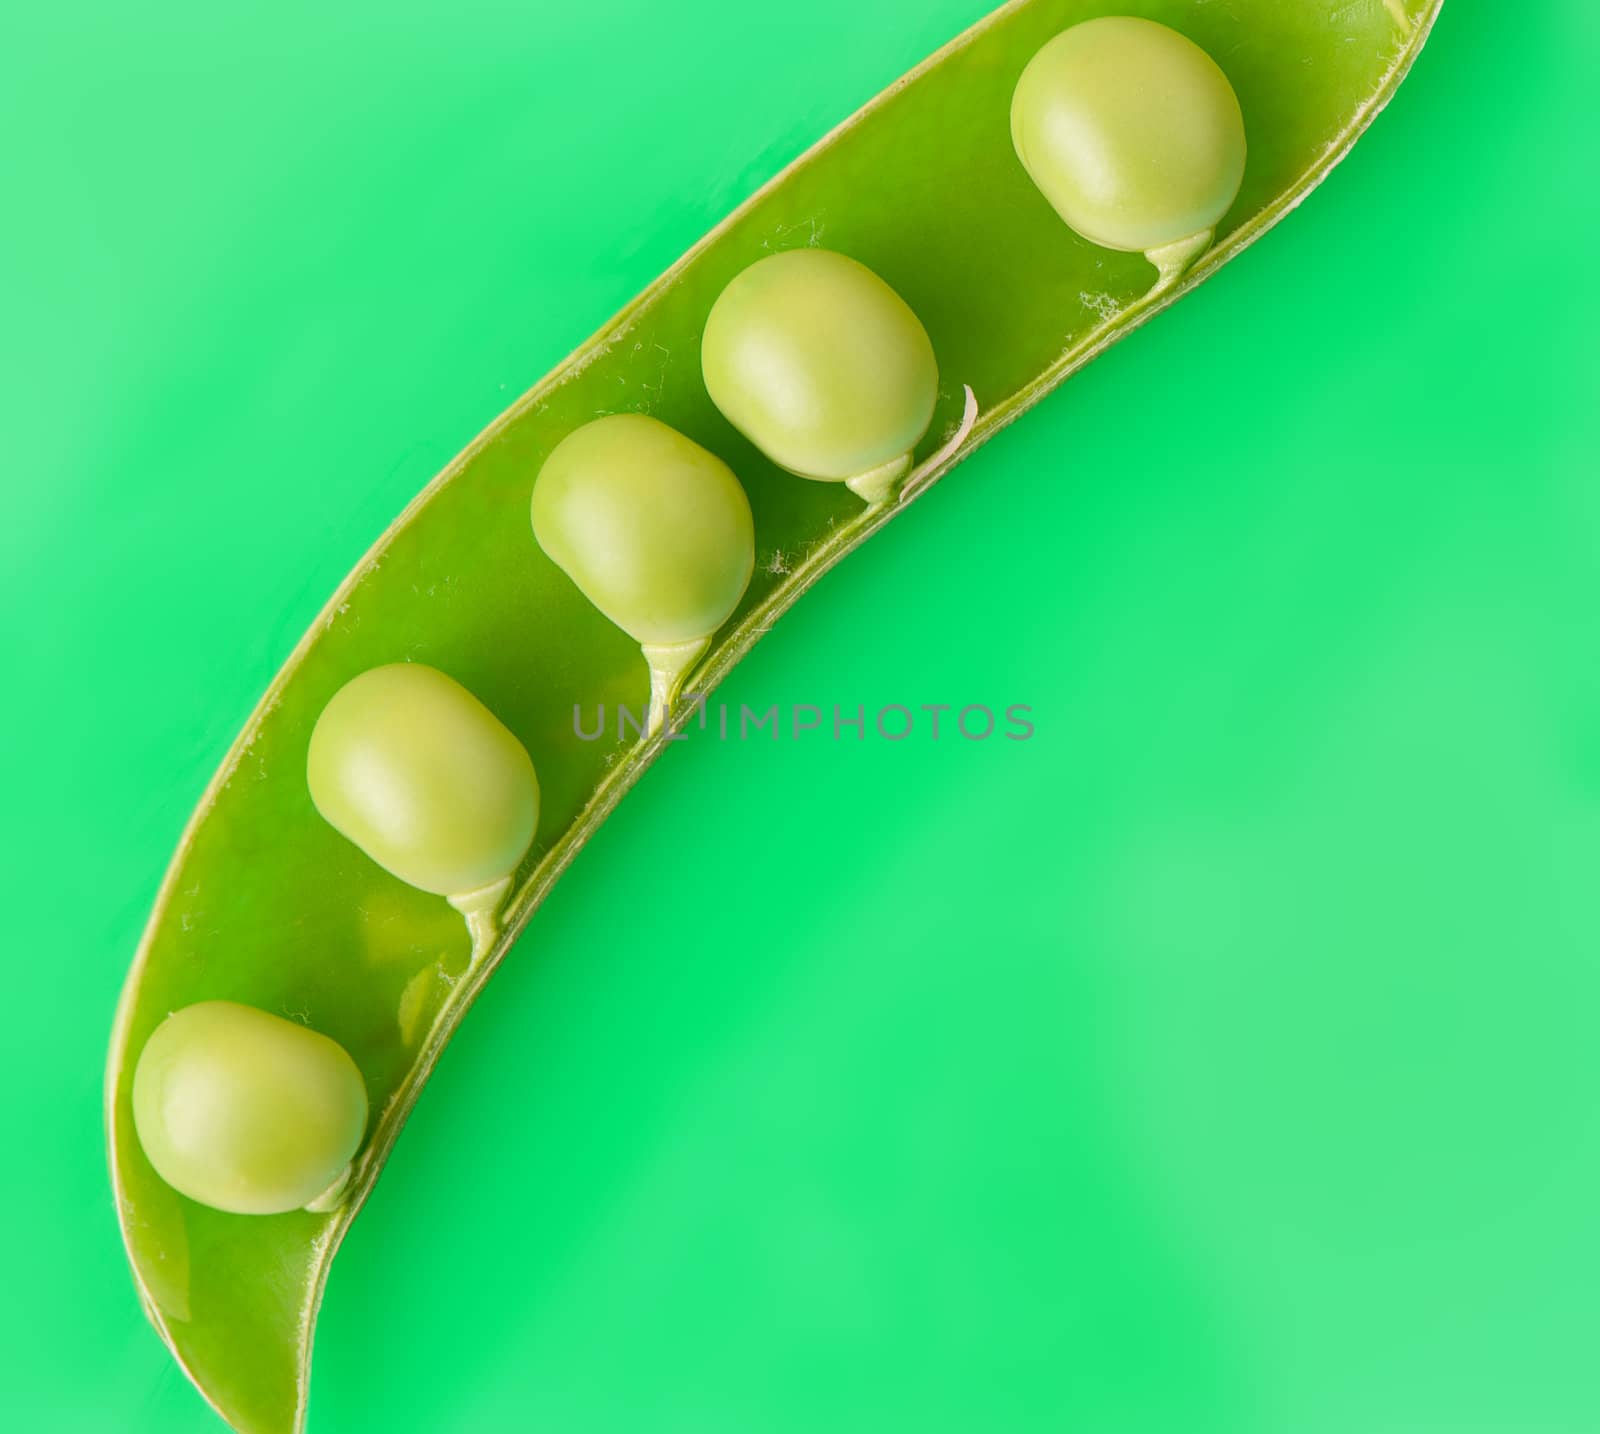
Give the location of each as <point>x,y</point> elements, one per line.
<point>1223,1059</point>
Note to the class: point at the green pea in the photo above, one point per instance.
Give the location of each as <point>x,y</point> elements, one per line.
<point>420,775</point>
<point>247,1112</point>
<point>655,531</point>
<point>1134,135</point>
<point>823,367</point>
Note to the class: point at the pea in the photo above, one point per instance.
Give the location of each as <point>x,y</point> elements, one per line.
<point>247,1112</point>
<point>420,775</point>
<point>655,531</point>
<point>1134,135</point>
<point>823,367</point>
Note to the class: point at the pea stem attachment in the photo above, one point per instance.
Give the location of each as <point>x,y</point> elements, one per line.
<point>333,1197</point>
<point>482,910</point>
<point>1173,260</point>
<point>877,484</point>
<point>669,665</point>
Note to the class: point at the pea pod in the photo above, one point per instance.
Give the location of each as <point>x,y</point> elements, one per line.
<point>266,905</point>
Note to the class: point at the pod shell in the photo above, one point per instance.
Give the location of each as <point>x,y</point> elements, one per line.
<point>245,1111</point>
<point>1131,131</point>
<point>820,364</point>
<point>655,530</point>
<point>424,778</point>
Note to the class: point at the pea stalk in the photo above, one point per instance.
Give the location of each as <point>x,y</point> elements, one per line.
<point>1174,260</point>
<point>669,664</point>
<point>876,484</point>
<point>482,908</point>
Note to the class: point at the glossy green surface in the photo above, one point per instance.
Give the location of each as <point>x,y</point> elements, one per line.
<point>420,775</point>
<point>1012,310</point>
<point>653,529</point>
<point>244,1111</point>
<point>820,364</point>
<point>1131,131</point>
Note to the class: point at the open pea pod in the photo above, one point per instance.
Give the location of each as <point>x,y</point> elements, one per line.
<point>266,905</point>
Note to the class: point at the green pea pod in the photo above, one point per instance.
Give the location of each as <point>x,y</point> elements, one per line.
<point>267,905</point>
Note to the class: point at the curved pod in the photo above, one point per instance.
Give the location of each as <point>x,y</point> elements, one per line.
<point>925,183</point>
